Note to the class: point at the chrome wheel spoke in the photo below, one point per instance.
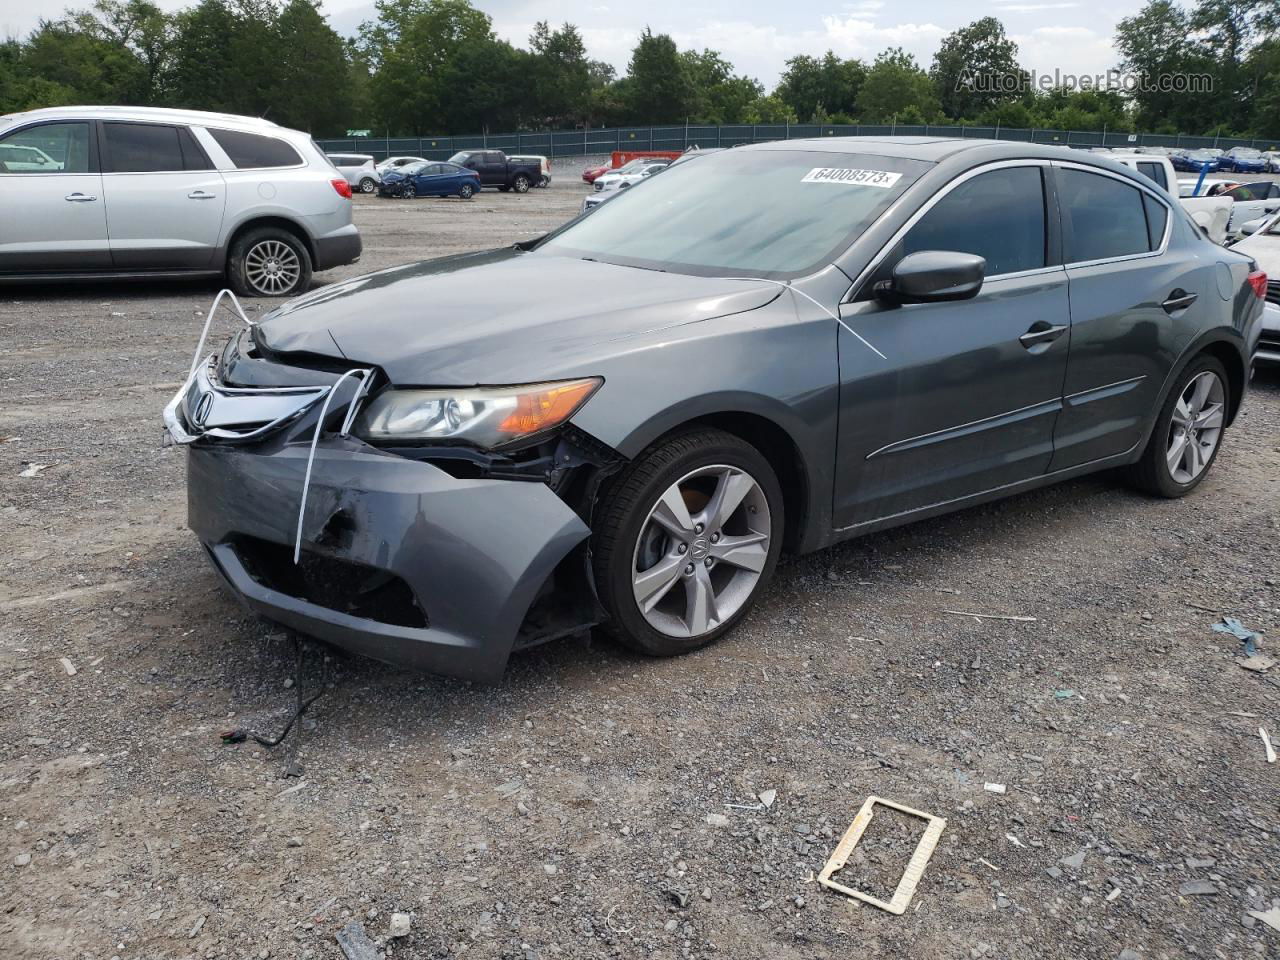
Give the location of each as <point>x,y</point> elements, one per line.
<point>1203,384</point>
<point>700,609</point>
<point>732,489</point>
<point>653,584</point>
<point>1181,413</point>
<point>748,551</point>
<point>672,514</point>
<point>1210,417</point>
<point>1177,451</point>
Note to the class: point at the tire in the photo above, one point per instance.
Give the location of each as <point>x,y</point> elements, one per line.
<point>408,192</point>
<point>368,185</point>
<point>249,264</point>
<point>629,541</point>
<point>544,181</point>
<point>520,184</point>
<point>1154,473</point>
<point>466,191</point>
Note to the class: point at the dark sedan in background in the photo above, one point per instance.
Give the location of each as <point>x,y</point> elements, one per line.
<point>774,347</point>
<point>430,179</point>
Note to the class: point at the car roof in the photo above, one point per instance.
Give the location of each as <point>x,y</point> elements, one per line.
<point>144,113</point>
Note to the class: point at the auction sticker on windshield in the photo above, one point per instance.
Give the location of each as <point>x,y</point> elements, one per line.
<point>851,177</point>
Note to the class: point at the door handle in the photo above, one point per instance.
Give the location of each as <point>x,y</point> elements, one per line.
<point>78,198</point>
<point>1042,332</point>
<point>1179,300</point>
<point>199,195</point>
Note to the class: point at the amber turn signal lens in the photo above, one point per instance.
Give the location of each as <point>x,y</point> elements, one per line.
<point>542,409</point>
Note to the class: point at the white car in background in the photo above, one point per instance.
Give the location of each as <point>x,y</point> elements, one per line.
<point>1211,212</point>
<point>21,159</point>
<point>630,174</point>
<point>1262,242</point>
<point>395,163</point>
<point>359,170</point>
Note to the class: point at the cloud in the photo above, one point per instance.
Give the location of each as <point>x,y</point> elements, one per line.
<point>1075,50</point>
<point>1029,7</point>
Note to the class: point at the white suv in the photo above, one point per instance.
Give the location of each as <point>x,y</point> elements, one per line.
<point>140,192</point>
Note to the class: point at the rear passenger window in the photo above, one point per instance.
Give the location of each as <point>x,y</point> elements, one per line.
<point>998,216</point>
<point>1106,217</point>
<point>142,148</point>
<point>250,151</point>
<point>1154,171</point>
<point>1157,217</point>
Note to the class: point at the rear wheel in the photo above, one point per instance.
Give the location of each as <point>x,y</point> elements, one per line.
<point>368,185</point>
<point>466,191</point>
<point>544,181</point>
<point>268,262</point>
<point>1188,431</point>
<point>687,540</point>
<point>520,184</point>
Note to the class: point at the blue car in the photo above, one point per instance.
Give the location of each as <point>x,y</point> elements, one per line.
<point>430,179</point>
<point>1197,160</point>
<point>1244,160</point>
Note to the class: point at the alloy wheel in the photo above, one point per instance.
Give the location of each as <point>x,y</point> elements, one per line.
<point>1196,426</point>
<point>701,551</point>
<point>410,191</point>
<point>272,267</point>
<point>367,186</point>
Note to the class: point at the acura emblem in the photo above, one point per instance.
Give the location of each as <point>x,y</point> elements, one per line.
<point>201,412</point>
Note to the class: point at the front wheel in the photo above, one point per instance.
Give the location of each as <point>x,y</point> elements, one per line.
<point>1188,431</point>
<point>687,540</point>
<point>466,191</point>
<point>409,192</point>
<point>368,185</point>
<point>268,262</point>
<point>520,184</point>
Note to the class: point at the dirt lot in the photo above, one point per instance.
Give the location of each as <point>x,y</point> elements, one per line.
<point>564,813</point>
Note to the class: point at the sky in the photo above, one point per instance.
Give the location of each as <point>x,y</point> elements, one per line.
<point>1073,36</point>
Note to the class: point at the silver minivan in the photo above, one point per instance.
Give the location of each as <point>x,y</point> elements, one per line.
<point>359,169</point>
<point>100,192</point>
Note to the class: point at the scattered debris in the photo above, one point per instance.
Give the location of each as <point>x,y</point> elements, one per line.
<point>1266,742</point>
<point>987,863</point>
<point>1198,888</point>
<point>68,666</point>
<point>994,787</point>
<point>1115,892</point>
<point>355,943</point>
<point>1064,694</point>
<point>1270,917</point>
<point>9,439</point>
<point>196,928</point>
<point>1259,663</point>
<point>1014,840</point>
<point>33,469</point>
<point>1242,713</point>
<point>717,819</point>
<point>990,616</point>
<point>1075,861</point>
<point>915,868</point>
<point>1054,872</point>
<point>767,797</point>
<point>1232,626</point>
<point>399,925</point>
<point>22,860</point>
<point>1195,864</point>
<point>294,789</point>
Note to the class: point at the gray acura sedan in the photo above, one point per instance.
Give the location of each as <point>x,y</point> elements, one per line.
<point>771,348</point>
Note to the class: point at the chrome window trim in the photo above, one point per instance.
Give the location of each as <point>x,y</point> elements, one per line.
<point>929,204</point>
<point>1141,188</point>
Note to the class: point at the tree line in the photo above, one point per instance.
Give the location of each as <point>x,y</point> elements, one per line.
<point>436,66</point>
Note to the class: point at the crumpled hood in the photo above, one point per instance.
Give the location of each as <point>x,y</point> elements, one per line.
<point>504,316</point>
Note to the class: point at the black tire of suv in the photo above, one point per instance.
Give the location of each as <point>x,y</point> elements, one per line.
<point>368,185</point>
<point>544,182</point>
<point>466,191</point>
<point>520,184</point>
<point>625,510</point>
<point>236,274</point>
<point>1151,473</point>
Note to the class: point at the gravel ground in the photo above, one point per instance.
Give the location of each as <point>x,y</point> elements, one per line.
<point>582,808</point>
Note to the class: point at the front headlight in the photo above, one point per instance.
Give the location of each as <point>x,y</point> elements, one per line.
<point>485,417</point>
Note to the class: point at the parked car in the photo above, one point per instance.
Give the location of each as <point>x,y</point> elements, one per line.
<point>591,174</point>
<point>1244,160</point>
<point>496,169</point>
<point>20,159</point>
<point>142,192</point>
<point>1250,201</point>
<point>1273,161</point>
<point>1263,244</point>
<point>544,165</point>
<point>1211,213</point>
<point>395,163</point>
<point>359,170</point>
<point>631,174</point>
<point>1198,160</point>
<point>431,179</point>
<point>779,346</point>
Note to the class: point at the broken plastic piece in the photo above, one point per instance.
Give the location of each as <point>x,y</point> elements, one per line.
<point>915,868</point>
<point>1266,742</point>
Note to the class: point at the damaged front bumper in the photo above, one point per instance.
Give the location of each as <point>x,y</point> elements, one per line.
<point>401,561</point>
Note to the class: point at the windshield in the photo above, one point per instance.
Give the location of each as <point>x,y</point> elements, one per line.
<point>1246,152</point>
<point>758,212</point>
<point>460,156</point>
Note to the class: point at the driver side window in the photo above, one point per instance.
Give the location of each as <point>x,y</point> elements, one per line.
<point>47,148</point>
<point>999,216</point>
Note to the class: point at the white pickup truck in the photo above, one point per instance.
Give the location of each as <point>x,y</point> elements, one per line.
<point>1212,213</point>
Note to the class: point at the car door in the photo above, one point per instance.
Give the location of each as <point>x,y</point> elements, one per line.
<point>53,218</point>
<point>164,199</point>
<point>966,396</point>
<point>1136,298</point>
<point>1250,201</point>
<point>433,180</point>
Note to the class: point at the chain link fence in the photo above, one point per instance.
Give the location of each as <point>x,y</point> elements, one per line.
<point>604,140</point>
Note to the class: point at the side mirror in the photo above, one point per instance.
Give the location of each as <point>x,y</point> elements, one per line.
<point>933,276</point>
<point>1251,227</point>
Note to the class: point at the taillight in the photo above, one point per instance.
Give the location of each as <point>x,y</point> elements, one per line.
<point>344,190</point>
<point>1258,280</point>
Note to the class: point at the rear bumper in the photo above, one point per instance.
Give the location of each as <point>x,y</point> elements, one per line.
<point>1267,350</point>
<point>401,561</point>
<point>341,247</point>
